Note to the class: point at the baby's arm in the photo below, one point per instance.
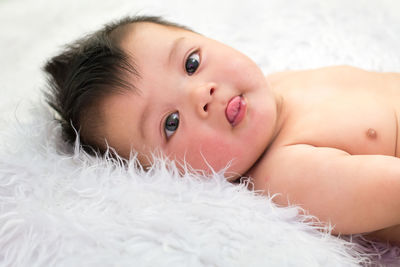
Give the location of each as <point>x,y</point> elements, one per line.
<point>357,193</point>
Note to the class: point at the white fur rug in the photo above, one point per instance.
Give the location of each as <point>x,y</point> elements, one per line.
<point>59,207</point>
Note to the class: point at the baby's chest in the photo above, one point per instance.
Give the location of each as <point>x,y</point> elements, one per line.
<point>355,123</point>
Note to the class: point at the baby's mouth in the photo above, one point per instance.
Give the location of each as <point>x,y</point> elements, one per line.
<point>235,110</point>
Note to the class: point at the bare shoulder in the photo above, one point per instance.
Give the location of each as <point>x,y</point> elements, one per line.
<point>278,78</point>
<point>339,77</point>
<point>328,70</point>
<point>352,70</point>
<point>339,70</point>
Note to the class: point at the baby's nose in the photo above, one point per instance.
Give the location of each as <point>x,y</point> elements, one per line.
<point>202,97</point>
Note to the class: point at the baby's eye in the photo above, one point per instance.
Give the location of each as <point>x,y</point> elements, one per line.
<point>192,63</point>
<point>171,124</point>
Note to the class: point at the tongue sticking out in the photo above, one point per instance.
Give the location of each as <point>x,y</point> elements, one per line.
<point>233,109</point>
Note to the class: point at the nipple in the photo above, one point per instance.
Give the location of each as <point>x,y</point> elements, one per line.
<point>371,133</point>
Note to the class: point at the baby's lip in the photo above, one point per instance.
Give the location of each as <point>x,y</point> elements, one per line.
<point>235,110</point>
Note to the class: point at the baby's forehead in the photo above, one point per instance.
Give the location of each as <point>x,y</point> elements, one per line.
<point>142,41</point>
<point>125,32</point>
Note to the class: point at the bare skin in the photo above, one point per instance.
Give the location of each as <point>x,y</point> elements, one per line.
<point>338,149</point>
<point>324,139</point>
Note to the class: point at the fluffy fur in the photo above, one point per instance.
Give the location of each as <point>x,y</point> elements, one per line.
<point>63,208</point>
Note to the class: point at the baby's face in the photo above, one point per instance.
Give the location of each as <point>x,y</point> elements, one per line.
<point>198,101</point>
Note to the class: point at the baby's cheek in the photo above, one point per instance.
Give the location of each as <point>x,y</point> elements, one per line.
<point>214,151</point>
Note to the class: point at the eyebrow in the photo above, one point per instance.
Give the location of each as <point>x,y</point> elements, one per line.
<point>174,48</point>
<point>144,122</point>
<point>144,118</point>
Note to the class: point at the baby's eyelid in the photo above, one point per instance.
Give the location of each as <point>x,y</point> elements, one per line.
<point>195,51</point>
<point>192,52</point>
<point>162,126</point>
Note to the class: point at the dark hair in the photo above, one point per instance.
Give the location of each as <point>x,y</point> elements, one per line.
<point>87,71</point>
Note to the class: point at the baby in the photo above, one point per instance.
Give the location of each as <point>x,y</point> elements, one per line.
<point>324,139</point>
